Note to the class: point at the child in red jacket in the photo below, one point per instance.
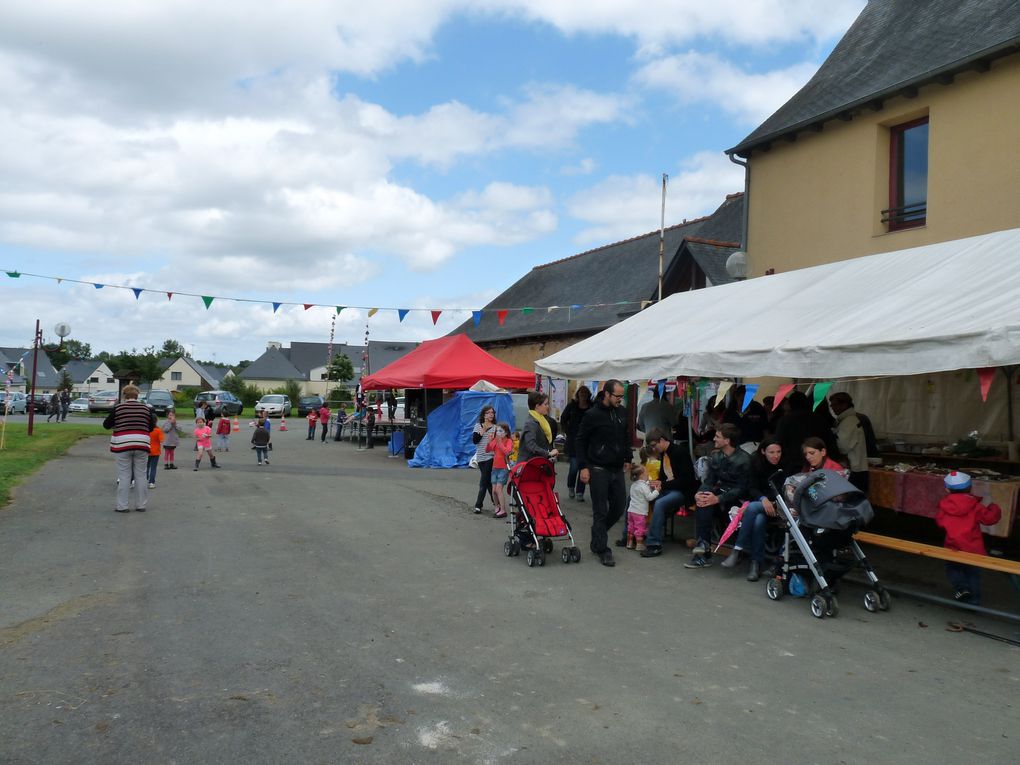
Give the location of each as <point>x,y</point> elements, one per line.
<point>223,433</point>
<point>962,514</point>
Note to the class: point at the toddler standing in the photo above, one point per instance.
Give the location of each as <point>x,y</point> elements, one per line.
<point>962,514</point>
<point>500,445</point>
<point>223,433</point>
<point>155,441</point>
<point>313,420</point>
<point>203,442</point>
<point>642,491</point>
<point>171,438</point>
<point>260,440</point>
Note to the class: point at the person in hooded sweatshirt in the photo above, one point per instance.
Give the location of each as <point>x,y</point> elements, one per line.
<point>962,515</point>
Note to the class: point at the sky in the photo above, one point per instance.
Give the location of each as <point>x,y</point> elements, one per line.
<point>415,154</point>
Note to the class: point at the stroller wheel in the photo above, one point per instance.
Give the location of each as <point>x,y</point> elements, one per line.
<point>575,554</point>
<point>871,601</point>
<point>508,548</point>
<point>532,558</point>
<point>774,588</point>
<point>883,599</point>
<point>831,606</point>
<point>818,606</point>
<point>540,558</point>
<point>565,555</point>
<point>547,546</point>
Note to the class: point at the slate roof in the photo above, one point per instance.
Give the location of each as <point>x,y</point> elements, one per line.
<point>892,47</point>
<point>81,369</point>
<point>46,376</point>
<point>618,275</point>
<point>272,365</point>
<point>215,372</point>
<point>711,257</point>
<point>382,353</point>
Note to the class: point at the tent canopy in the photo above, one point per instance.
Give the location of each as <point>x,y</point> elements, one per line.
<point>447,362</point>
<point>447,444</point>
<point>940,307</point>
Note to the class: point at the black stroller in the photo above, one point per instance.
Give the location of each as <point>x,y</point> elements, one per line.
<point>819,538</point>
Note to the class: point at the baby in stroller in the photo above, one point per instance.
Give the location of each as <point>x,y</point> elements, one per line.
<point>827,511</point>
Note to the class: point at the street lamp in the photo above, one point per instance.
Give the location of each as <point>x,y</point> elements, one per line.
<point>736,265</point>
<point>63,329</point>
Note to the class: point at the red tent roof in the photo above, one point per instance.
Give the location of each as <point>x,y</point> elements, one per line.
<point>448,362</point>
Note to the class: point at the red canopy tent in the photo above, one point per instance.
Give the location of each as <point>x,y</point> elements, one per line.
<point>448,362</point>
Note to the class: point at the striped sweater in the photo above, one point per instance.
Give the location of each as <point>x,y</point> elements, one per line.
<point>132,422</point>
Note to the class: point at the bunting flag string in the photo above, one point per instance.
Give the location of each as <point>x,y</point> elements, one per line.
<point>477,314</point>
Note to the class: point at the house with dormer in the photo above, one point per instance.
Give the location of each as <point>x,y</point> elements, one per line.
<point>90,376</point>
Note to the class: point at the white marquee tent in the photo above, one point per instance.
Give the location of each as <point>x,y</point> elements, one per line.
<point>951,305</point>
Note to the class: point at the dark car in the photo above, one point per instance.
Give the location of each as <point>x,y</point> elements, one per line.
<point>40,402</point>
<point>161,401</point>
<point>308,404</point>
<point>221,401</point>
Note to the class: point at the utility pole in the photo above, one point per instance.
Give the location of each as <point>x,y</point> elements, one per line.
<point>662,233</point>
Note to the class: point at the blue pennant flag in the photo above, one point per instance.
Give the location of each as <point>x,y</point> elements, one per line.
<point>402,312</point>
<point>138,292</point>
<point>276,307</point>
<point>477,316</point>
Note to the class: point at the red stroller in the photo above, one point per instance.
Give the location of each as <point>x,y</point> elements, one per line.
<point>535,515</point>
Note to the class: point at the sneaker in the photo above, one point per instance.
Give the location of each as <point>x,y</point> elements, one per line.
<point>606,558</point>
<point>267,462</point>
<point>700,548</point>
<point>698,561</point>
<point>478,510</point>
<point>640,547</point>
<point>651,551</point>
<point>732,560</point>
<point>152,486</point>
<point>580,498</point>
<point>139,509</point>
<point>630,543</point>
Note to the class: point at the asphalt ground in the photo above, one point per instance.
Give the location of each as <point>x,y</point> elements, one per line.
<point>339,607</point>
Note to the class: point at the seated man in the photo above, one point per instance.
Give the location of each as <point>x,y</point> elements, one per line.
<point>726,483</point>
<point>676,476</point>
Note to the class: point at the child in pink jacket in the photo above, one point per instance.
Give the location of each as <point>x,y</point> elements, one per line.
<point>500,445</point>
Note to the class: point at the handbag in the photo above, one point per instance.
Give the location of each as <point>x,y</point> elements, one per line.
<point>473,462</point>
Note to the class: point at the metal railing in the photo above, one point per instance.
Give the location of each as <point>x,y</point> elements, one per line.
<point>907,214</point>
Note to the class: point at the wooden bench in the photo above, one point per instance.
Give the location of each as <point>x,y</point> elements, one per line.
<point>932,551</point>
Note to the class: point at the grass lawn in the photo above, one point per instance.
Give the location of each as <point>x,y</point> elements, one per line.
<point>22,454</point>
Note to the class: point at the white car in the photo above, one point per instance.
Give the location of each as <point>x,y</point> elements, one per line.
<point>79,405</point>
<point>274,405</point>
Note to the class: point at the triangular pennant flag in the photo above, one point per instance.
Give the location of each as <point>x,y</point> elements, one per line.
<point>551,308</point>
<point>781,393</point>
<point>749,394</point>
<point>985,377</point>
<point>97,285</point>
<point>435,317</point>
<point>276,307</point>
<point>577,306</point>
<point>14,274</point>
<point>339,308</point>
<point>207,300</point>
<point>526,311</point>
<point>821,391</point>
<point>720,394</point>
<point>402,312</point>
<point>372,312</point>
<point>501,316</point>
<point>59,280</point>
<point>645,304</point>
<point>661,387</point>
<point>477,316</point>
<point>308,305</point>
<point>169,296</point>
<point>138,292</point>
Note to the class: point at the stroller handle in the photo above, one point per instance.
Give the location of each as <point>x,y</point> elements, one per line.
<point>776,480</point>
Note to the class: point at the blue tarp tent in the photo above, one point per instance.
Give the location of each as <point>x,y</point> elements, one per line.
<point>447,444</point>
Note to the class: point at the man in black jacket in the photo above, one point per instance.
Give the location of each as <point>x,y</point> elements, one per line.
<point>726,483</point>
<point>604,455</point>
<point>677,484</point>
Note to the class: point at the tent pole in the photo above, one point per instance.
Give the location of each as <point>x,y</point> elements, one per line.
<point>1008,371</point>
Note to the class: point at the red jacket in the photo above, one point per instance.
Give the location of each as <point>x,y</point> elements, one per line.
<point>223,427</point>
<point>962,516</point>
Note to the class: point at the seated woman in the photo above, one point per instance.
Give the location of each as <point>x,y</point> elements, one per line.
<point>816,457</point>
<point>751,537</point>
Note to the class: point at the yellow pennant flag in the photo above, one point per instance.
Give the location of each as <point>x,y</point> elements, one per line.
<point>372,312</point>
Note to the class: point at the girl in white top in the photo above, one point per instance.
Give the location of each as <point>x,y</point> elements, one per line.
<point>642,491</point>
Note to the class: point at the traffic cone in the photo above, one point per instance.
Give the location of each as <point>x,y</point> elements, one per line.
<point>237,425</point>
<point>283,423</point>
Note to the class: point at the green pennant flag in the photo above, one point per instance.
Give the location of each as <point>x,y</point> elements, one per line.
<point>821,391</point>
<point>339,308</point>
<point>526,311</point>
<point>14,274</point>
<point>208,301</point>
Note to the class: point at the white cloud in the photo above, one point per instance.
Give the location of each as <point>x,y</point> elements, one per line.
<point>695,77</point>
<point>585,167</point>
<point>626,206</point>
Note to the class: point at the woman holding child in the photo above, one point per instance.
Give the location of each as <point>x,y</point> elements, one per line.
<point>751,537</point>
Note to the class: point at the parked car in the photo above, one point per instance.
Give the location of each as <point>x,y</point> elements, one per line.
<point>79,405</point>
<point>16,403</point>
<point>307,404</point>
<point>103,401</point>
<point>221,401</point>
<point>40,403</point>
<point>274,405</point>
<point>161,401</point>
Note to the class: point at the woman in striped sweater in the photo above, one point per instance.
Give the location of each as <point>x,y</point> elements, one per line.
<point>131,422</point>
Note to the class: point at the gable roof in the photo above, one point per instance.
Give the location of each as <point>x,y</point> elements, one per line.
<point>45,376</point>
<point>272,365</point>
<point>382,353</point>
<point>82,369</point>
<point>711,256</point>
<point>609,281</point>
<point>894,47</point>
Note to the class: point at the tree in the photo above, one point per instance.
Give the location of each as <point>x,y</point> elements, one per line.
<point>143,367</point>
<point>291,389</point>
<point>340,369</point>
<point>172,349</point>
<point>71,349</point>
<point>66,382</point>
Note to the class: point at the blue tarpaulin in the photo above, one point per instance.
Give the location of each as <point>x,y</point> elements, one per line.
<point>447,444</point>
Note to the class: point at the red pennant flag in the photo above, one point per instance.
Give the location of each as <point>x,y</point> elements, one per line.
<point>985,377</point>
<point>169,295</point>
<point>435,316</point>
<point>501,315</point>
<point>782,393</point>
<point>308,305</point>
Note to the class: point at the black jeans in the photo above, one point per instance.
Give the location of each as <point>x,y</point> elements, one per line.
<point>608,503</point>
<point>484,482</point>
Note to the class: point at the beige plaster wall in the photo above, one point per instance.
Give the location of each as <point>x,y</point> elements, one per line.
<point>818,199</point>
